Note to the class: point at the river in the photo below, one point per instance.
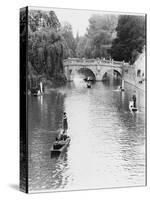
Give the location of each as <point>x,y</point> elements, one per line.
<point>107,147</point>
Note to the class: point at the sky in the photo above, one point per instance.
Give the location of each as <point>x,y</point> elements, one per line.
<point>77,18</point>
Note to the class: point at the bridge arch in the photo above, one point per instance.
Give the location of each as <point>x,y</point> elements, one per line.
<point>85,71</point>
<point>118,72</point>
<point>111,72</point>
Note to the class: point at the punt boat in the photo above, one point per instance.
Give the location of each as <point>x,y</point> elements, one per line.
<point>60,146</point>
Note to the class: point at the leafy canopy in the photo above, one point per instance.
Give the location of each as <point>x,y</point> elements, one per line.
<point>130,38</point>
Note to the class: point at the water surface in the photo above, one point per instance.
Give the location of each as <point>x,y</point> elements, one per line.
<point>107,147</point>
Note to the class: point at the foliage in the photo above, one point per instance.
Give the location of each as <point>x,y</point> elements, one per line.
<point>100,32</point>
<point>97,41</point>
<point>45,45</point>
<point>38,19</point>
<point>130,38</point>
<point>82,47</point>
<point>98,23</point>
<point>69,40</point>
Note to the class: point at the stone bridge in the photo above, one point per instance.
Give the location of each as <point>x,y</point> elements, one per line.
<point>99,67</point>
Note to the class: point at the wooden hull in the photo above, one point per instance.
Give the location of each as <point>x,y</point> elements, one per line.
<point>62,149</point>
<point>88,86</point>
<point>134,109</point>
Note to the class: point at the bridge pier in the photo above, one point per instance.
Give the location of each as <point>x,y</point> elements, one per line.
<point>98,77</point>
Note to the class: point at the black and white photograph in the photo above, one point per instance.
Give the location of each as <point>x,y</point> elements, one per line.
<point>83,85</point>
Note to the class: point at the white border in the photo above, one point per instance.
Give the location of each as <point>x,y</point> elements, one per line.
<point>9,100</point>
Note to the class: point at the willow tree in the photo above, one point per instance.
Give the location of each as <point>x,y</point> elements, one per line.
<point>45,49</point>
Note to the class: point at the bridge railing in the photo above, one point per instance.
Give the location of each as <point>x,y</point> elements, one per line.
<point>93,61</point>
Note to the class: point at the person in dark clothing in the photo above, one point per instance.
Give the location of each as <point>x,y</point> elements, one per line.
<point>65,123</point>
<point>134,100</point>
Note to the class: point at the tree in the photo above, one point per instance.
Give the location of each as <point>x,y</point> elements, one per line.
<point>98,23</point>
<point>39,19</point>
<point>45,45</point>
<point>82,47</point>
<point>130,38</point>
<point>101,32</point>
<point>69,40</point>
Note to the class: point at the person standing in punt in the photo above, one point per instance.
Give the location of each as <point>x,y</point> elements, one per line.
<point>134,100</point>
<point>65,122</point>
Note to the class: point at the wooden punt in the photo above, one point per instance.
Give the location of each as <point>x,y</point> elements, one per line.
<point>61,149</point>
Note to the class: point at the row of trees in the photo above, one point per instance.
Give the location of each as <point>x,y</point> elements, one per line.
<point>109,36</point>
<point>99,36</point>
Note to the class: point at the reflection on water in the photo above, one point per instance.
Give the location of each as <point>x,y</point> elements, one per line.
<point>107,147</point>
